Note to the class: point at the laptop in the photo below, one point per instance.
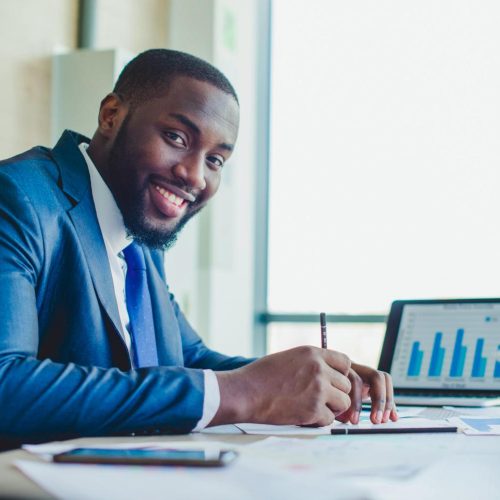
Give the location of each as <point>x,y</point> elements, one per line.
<point>444,352</point>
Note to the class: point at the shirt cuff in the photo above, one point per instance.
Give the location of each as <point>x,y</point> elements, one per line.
<point>211,400</point>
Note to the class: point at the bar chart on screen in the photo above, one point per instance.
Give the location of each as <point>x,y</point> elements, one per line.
<point>450,344</point>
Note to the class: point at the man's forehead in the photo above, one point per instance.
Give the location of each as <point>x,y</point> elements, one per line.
<point>197,96</point>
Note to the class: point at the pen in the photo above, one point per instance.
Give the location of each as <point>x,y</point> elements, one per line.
<point>391,430</point>
<point>322,321</point>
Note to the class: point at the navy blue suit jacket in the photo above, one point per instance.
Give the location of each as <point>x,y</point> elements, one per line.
<point>64,368</point>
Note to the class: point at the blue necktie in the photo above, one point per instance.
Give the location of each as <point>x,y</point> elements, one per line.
<point>139,308</point>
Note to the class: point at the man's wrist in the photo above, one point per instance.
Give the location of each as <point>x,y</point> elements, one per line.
<point>234,398</point>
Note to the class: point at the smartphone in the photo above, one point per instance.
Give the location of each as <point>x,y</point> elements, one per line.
<point>197,458</point>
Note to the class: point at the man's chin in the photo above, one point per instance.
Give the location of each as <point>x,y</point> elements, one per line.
<point>153,239</point>
<point>154,231</point>
<point>156,234</point>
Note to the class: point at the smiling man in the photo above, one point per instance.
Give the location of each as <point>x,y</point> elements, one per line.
<point>91,340</point>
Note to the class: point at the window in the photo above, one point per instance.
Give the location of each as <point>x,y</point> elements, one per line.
<point>384,161</point>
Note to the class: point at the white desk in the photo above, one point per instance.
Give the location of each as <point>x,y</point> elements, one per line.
<point>452,466</point>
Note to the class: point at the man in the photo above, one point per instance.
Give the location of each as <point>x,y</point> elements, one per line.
<point>91,341</point>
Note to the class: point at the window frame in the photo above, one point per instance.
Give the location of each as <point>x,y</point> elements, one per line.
<point>263,318</point>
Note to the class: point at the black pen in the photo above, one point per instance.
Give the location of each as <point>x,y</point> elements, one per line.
<point>391,430</point>
<point>322,321</point>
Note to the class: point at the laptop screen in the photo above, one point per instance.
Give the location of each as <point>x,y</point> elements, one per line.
<point>444,345</point>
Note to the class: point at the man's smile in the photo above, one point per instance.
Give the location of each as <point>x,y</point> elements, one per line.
<point>168,203</point>
<point>177,200</point>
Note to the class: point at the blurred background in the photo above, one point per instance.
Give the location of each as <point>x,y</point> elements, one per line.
<point>367,167</point>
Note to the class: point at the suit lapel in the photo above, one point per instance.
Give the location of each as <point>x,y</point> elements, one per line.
<point>75,182</point>
<point>85,219</point>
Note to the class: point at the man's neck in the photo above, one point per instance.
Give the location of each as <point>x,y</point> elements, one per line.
<point>98,155</point>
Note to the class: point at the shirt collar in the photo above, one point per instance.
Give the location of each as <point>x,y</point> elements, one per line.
<point>108,214</point>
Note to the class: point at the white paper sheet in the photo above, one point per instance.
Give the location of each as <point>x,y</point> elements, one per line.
<point>99,482</point>
<point>249,477</point>
<point>281,430</point>
<point>458,478</point>
<point>325,467</point>
<point>478,426</point>
<point>222,429</point>
<point>333,457</point>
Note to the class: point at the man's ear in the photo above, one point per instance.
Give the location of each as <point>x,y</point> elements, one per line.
<point>111,114</point>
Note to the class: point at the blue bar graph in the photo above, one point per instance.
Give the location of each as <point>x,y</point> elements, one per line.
<point>415,360</point>
<point>479,364</point>
<point>496,373</point>
<point>459,352</point>
<point>437,356</point>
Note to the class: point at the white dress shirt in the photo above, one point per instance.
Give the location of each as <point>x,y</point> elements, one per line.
<point>116,240</point>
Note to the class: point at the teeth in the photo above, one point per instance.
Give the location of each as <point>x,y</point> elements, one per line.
<point>176,200</point>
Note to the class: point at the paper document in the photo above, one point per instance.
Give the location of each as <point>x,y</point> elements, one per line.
<point>283,430</point>
<point>420,424</point>
<point>323,468</point>
<point>478,426</point>
<point>321,457</point>
<point>222,429</point>
<point>273,471</point>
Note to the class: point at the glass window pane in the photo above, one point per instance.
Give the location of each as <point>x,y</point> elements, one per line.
<point>362,342</point>
<point>385,153</point>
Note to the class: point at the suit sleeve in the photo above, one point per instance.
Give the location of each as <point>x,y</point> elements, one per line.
<point>44,400</point>
<point>197,354</point>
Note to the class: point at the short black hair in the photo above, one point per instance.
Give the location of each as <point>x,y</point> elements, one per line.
<point>150,73</point>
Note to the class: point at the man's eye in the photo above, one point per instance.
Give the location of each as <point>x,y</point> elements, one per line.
<point>216,161</point>
<point>175,138</point>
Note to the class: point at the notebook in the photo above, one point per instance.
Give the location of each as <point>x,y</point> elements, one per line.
<point>444,352</point>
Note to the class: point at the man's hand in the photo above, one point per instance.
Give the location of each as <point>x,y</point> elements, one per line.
<point>368,382</point>
<point>303,386</point>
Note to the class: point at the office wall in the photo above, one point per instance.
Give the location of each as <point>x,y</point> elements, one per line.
<point>31,31</point>
<point>133,25</point>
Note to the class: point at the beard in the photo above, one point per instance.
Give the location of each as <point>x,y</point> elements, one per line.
<point>130,196</point>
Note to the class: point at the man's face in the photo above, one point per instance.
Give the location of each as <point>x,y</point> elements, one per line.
<point>166,160</point>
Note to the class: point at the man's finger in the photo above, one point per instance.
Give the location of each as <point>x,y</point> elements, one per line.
<point>337,360</point>
<point>394,413</point>
<point>337,401</point>
<point>379,387</point>
<point>389,397</point>
<point>339,381</point>
<point>352,414</point>
<point>378,396</point>
<point>326,417</point>
<point>356,393</point>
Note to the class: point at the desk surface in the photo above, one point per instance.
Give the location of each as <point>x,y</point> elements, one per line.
<point>467,469</point>
<point>13,484</point>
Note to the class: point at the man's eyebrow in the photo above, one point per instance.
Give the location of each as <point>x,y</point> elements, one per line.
<point>186,121</point>
<point>190,124</point>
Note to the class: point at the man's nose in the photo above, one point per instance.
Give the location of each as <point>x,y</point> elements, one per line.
<point>192,172</point>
